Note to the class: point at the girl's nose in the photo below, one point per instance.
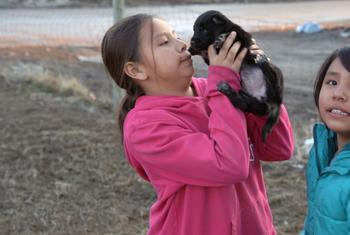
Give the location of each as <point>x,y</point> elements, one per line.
<point>340,93</point>
<point>182,46</point>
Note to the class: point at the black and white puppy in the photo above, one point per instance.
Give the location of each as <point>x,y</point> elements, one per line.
<point>262,82</point>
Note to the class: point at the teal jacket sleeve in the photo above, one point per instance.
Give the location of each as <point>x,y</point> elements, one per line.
<point>348,215</point>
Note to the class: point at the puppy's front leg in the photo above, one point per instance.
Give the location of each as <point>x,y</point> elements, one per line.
<point>254,105</point>
<point>233,96</point>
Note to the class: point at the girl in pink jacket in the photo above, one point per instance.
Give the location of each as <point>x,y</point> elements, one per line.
<point>185,137</point>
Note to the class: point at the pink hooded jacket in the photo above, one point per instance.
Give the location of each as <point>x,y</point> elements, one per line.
<point>195,152</point>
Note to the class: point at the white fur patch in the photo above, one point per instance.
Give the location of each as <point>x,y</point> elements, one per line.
<point>253,81</point>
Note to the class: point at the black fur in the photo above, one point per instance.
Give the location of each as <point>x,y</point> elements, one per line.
<point>212,27</point>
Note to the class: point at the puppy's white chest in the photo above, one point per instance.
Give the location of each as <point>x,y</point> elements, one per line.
<point>253,81</point>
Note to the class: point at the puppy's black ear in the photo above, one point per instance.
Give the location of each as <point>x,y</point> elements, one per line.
<point>218,20</point>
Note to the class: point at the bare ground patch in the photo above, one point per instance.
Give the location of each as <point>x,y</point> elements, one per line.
<point>61,167</point>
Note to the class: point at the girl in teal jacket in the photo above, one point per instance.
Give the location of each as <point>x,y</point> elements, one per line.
<point>328,168</point>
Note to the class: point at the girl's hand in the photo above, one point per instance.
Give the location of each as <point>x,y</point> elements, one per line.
<point>228,56</point>
<point>255,49</point>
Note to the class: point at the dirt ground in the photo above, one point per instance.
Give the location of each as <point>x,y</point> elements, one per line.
<point>61,167</point>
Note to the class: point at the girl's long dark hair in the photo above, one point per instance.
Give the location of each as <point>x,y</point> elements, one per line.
<point>344,56</point>
<point>120,44</point>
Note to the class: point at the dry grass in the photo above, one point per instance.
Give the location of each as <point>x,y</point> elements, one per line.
<point>45,80</point>
<point>62,169</point>
<point>66,86</point>
<point>67,189</point>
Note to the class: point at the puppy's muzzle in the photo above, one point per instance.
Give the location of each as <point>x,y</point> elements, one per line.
<point>193,50</point>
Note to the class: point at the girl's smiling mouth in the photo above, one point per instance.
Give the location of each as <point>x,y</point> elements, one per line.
<point>338,112</point>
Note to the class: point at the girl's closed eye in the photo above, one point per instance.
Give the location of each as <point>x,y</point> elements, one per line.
<point>162,39</point>
<point>163,42</point>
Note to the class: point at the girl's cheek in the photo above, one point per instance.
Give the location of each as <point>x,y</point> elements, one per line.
<point>321,105</point>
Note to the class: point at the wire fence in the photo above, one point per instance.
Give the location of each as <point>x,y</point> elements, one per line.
<point>86,26</point>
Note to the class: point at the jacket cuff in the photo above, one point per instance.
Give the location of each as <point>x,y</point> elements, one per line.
<point>217,74</point>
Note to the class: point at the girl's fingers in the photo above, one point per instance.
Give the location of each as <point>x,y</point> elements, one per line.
<point>254,47</point>
<point>239,59</point>
<point>232,54</point>
<point>211,54</point>
<point>227,45</point>
<point>256,51</point>
<point>228,55</point>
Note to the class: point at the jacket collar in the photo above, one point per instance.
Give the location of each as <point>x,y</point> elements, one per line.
<point>326,146</point>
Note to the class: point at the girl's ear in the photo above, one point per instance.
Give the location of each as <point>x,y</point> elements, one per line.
<point>135,70</point>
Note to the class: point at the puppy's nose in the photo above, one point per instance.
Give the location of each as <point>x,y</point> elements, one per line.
<point>193,47</point>
<point>191,50</point>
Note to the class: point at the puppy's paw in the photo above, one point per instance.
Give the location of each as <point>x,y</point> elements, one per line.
<point>223,86</point>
